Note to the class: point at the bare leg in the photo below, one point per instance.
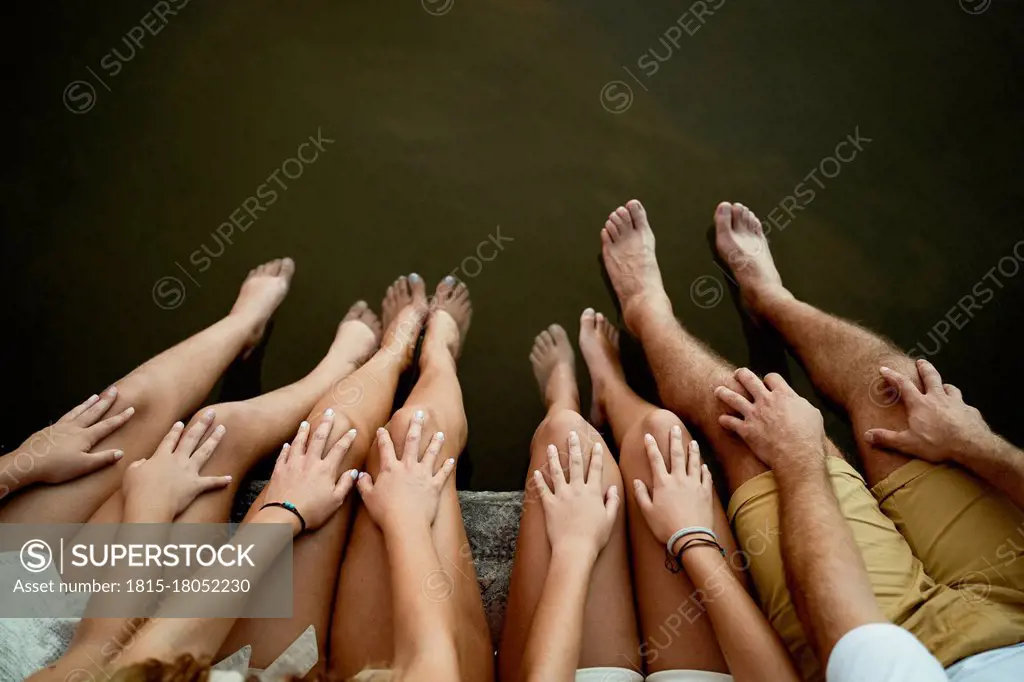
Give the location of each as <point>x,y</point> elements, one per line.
<point>687,371</point>
<point>361,400</point>
<point>841,357</point>
<point>165,389</point>
<point>362,632</point>
<point>257,427</point>
<point>609,627</point>
<point>677,635</point>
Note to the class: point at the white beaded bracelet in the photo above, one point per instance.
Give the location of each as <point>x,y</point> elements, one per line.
<point>683,532</point>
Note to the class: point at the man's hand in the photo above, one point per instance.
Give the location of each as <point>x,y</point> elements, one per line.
<point>579,519</point>
<point>940,425</point>
<point>682,498</point>
<point>307,478</point>
<point>62,452</point>
<point>165,484</point>
<point>783,429</point>
<point>407,491</point>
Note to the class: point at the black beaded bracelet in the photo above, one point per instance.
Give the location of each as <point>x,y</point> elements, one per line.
<point>290,507</point>
<point>675,563</point>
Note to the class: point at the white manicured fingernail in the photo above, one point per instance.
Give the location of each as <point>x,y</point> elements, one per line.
<point>118,455</point>
<point>208,414</point>
<point>419,415</point>
<point>220,429</point>
<point>676,431</point>
<point>130,411</point>
<point>227,478</point>
<point>649,438</point>
<point>354,474</point>
<point>440,435</point>
<point>179,425</point>
<point>328,412</point>
<point>352,432</point>
<point>304,425</point>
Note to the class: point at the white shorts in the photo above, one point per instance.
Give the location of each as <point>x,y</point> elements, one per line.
<point>626,675</point>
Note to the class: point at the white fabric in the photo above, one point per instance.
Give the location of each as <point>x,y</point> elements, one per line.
<point>882,652</point>
<point>997,665</point>
<point>626,675</point>
<point>295,661</point>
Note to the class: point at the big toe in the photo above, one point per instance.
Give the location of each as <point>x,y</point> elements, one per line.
<point>287,268</point>
<point>588,319</point>
<point>418,287</point>
<point>723,217</point>
<point>637,214</point>
<point>558,334</point>
<point>445,287</point>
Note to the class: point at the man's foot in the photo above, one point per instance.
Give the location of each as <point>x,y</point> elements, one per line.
<point>554,365</point>
<point>450,314</point>
<point>599,343</point>
<point>628,247</point>
<point>358,334</point>
<point>741,243</point>
<point>405,309</point>
<point>262,292</point>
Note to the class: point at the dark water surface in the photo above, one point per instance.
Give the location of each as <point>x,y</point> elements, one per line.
<point>447,127</point>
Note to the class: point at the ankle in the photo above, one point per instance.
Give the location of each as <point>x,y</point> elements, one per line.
<point>643,310</point>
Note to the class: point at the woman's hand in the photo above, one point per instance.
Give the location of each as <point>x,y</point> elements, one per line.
<point>61,452</point>
<point>940,425</point>
<point>167,482</point>
<point>578,515</point>
<point>407,491</point>
<point>783,429</point>
<point>677,500</point>
<point>310,480</point>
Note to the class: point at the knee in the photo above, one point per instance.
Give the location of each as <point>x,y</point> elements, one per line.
<point>555,429</point>
<point>633,456</point>
<point>399,425</point>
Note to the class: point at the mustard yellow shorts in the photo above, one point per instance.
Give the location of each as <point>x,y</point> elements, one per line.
<point>944,551</point>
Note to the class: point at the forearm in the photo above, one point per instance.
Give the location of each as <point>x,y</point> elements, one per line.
<point>553,646</point>
<point>202,636</point>
<point>998,462</point>
<point>819,553</point>
<point>424,625</point>
<point>751,647</point>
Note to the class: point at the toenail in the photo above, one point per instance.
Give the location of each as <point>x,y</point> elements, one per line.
<point>414,277</point>
<point>449,280</point>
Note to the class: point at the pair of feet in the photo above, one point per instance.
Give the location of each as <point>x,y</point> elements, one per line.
<point>405,310</point>
<point>628,247</point>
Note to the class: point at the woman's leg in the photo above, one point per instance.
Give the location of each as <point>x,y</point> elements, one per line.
<point>609,628</point>
<point>361,401</point>
<point>165,389</point>
<point>362,633</point>
<point>677,634</point>
<point>257,427</point>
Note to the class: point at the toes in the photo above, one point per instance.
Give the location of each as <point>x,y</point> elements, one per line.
<point>588,318</point>
<point>418,287</point>
<point>612,227</point>
<point>273,267</point>
<point>625,220</point>
<point>355,311</point>
<point>558,334</point>
<point>287,268</point>
<point>545,339</point>
<point>737,214</point>
<point>606,237</point>
<point>723,217</point>
<point>637,213</point>
<point>444,287</point>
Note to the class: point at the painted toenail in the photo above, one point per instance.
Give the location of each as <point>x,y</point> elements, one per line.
<point>449,280</point>
<point>414,277</point>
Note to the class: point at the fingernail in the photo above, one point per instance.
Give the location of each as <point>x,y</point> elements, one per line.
<point>636,483</point>
<point>869,437</point>
<point>329,412</point>
<point>286,446</point>
<point>208,414</point>
<point>451,460</point>
<point>92,398</point>
<point>573,435</point>
<point>304,424</point>
<point>676,431</point>
<point>228,478</point>
<point>649,438</point>
<point>886,369</point>
<point>179,425</point>
<point>352,432</point>
<point>112,391</point>
<point>613,491</point>
<point>363,474</point>
<point>130,411</point>
<point>440,435</point>
<point>118,455</point>
<point>354,474</point>
<point>419,415</point>
<point>381,430</point>
<point>220,429</point>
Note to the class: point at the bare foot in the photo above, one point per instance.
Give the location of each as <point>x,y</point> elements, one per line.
<point>628,247</point>
<point>554,366</point>
<point>405,309</point>
<point>450,314</point>
<point>742,244</point>
<point>358,334</point>
<point>262,292</point>
<point>599,342</point>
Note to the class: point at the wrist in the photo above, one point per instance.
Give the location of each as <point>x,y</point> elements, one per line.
<point>143,507</point>
<point>983,442</point>
<point>18,470</point>
<point>279,515</point>
<point>581,552</point>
